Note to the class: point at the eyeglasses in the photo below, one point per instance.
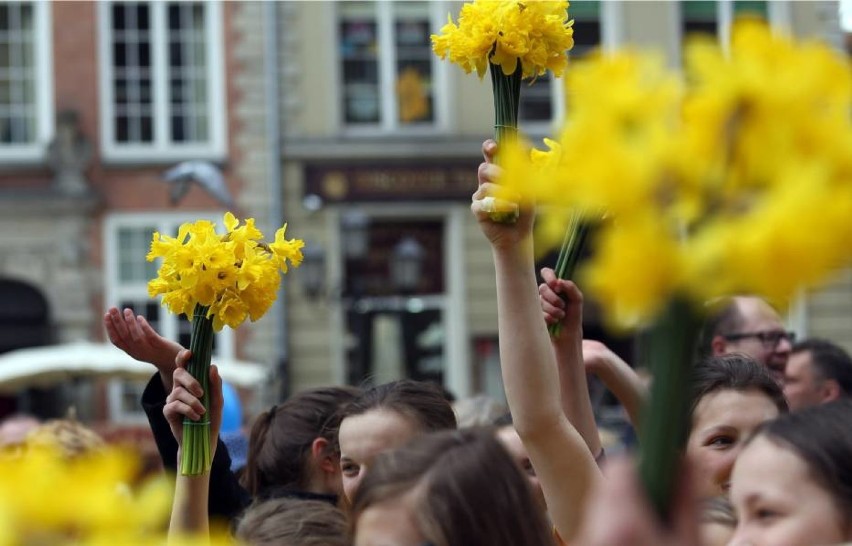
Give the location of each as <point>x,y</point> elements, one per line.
<point>770,339</point>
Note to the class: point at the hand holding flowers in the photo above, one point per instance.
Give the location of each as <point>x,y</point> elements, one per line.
<point>217,280</point>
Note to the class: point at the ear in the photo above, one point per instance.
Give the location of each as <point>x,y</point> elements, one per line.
<point>322,454</point>
<point>830,390</point>
<point>718,346</point>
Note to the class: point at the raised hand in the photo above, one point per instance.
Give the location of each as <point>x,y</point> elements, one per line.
<point>486,201</point>
<point>192,493</point>
<point>561,300</point>
<point>132,334</point>
<point>184,401</point>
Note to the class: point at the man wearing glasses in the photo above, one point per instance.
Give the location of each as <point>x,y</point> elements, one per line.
<point>748,325</point>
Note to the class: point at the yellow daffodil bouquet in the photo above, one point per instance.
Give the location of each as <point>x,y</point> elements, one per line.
<point>733,177</point>
<point>217,280</point>
<point>513,40</point>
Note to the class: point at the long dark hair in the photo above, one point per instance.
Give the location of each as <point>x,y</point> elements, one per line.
<point>468,491</point>
<point>822,436</point>
<point>281,438</point>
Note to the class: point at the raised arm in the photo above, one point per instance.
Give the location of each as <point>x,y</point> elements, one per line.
<point>568,351</point>
<point>189,508</point>
<point>558,453</point>
<point>617,375</point>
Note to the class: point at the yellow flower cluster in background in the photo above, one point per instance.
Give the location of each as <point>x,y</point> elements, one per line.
<point>734,177</point>
<point>535,33</point>
<point>236,274</point>
<point>86,500</point>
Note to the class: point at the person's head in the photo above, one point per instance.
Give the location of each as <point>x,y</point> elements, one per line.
<point>384,418</point>
<point>70,437</point>
<point>446,489</point>
<point>747,325</point>
<point>818,371</point>
<point>504,430</point>
<point>292,522</point>
<point>291,447</point>
<point>733,395</point>
<point>792,483</point>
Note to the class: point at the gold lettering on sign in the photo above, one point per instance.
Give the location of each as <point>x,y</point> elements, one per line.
<point>401,181</point>
<point>334,185</point>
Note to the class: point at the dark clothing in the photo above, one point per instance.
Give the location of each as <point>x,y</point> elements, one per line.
<point>285,493</point>
<point>227,497</point>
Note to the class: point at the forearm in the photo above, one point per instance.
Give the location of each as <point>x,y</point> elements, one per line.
<point>527,362</point>
<point>189,509</point>
<point>574,390</point>
<point>627,387</point>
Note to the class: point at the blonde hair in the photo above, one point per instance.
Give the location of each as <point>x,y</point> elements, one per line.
<point>69,436</point>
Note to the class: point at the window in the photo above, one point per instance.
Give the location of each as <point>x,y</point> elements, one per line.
<point>715,17</point>
<point>26,102</point>
<point>541,100</point>
<point>127,241</point>
<point>161,80</point>
<point>390,79</point>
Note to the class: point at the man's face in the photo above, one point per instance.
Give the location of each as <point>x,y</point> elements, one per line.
<point>802,387</point>
<point>758,317</point>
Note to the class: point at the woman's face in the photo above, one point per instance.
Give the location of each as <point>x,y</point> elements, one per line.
<point>508,436</point>
<point>391,522</point>
<point>721,422</point>
<point>362,437</point>
<point>778,503</point>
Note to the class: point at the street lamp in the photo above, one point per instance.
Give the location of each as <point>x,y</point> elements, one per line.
<point>312,270</point>
<point>406,264</point>
<point>354,227</point>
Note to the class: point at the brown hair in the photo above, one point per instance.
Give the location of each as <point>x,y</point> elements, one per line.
<point>423,403</point>
<point>467,491</point>
<point>281,438</point>
<point>736,372</point>
<point>292,522</point>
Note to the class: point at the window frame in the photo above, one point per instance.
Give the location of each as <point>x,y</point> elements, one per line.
<point>34,152</point>
<point>389,124</point>
<point>163,148</point>
<point>114,293</point>
<point>725,15</point>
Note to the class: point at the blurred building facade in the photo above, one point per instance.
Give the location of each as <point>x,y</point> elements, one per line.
<point>381,141</point>
<point>332,116</point>
<point>97,101</point>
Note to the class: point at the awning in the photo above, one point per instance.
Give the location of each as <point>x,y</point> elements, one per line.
<point>52,364</point>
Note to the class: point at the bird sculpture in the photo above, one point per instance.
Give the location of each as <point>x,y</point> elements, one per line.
<point>203,173</point>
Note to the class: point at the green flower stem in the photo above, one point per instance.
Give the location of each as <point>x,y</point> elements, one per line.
<point>569,254</point>
<point>195,450</point>
<point>665,419</point>
<point>507,96</point>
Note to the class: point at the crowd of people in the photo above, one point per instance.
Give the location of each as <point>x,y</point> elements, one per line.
<point>766,460</point>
